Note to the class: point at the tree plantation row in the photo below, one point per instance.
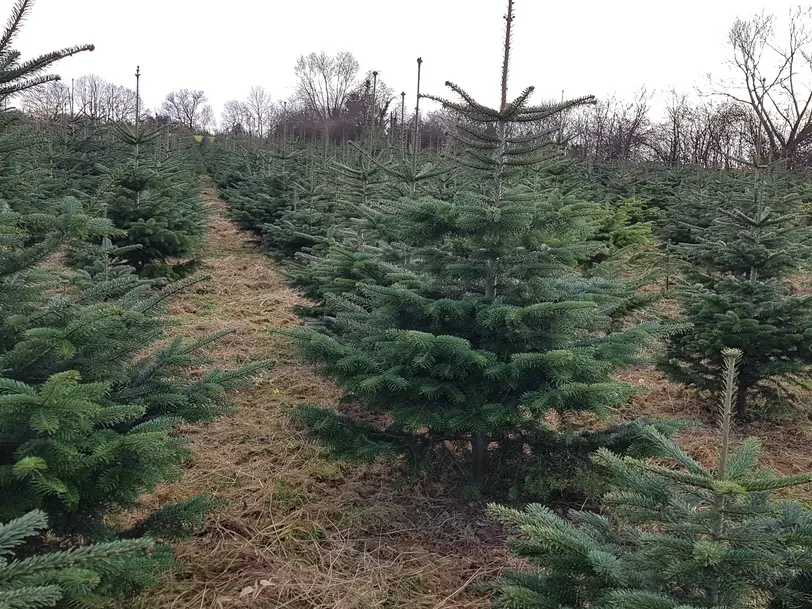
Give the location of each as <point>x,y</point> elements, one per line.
<point>97,222</point>
<point>475,291</point>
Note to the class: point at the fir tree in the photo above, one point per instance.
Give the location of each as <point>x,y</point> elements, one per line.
<point>737,294</point>
<point>350,249</point>
<point>91,406</point>
<point>155,200</point>
<point>22,171</point>
<point>684,537</point>
<point>309,218</point>
<point>488,323</point>
<point>65,577</point>
<point>259,195</point>
<point>624,230</point>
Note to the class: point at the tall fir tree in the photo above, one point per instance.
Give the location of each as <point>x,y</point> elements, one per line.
<point>154,199</point>
<point>489,324</point>
<point>18,75</point>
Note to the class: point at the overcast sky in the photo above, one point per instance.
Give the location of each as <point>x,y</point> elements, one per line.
<point>596,47</point>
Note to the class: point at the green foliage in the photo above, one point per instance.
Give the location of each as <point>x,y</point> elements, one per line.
<point>306,221</point>
<point>91,389</point>
<point>70,577</point>
<point>559,469</point>
<point>624,228</point>
<point>177,521</point>
<point>68,457</point>
<point>683,537</point>
<point>260,188</point>
<point>737,295</point>
<point>478,321</point>
<point>90,399</point>
<point>156,204</point>
<point>90,403</point>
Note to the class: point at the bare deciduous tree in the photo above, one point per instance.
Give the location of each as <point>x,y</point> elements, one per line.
<point>612,129</point>
<point>324,83</point>
<point>49,102</point>
<point>99,100</point>
<point>120,102</point>
<point>207,119</point>
<point>89,96</point>
<point>185,107</point>
<point>259,111</point>
<point>234,118</point>
<point>707,133</point>
<point>774,79</point>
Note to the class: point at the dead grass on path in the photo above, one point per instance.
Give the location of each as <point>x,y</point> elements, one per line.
<point>301,531</point>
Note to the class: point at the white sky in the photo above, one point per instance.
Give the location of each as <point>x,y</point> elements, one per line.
<point>224,47</point>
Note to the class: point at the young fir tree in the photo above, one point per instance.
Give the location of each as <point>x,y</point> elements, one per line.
<point>624,231</point>
<point>737,295</point>
<point>683,537</point>
<point>69,577</point>
<point>266,189</point>
<point>490,325</point>
<point>350,249</point>
<point>345,246</point>
<point>356,249</point>
<point>88,403</point>
<point>310,216</point>
<point>155,200</point>
<point>23,171</point>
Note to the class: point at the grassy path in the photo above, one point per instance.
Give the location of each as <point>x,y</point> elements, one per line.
<point>301,531</point>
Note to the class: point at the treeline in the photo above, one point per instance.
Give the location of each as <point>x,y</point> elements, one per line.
<point>92,99</point>
<point>763,110</point>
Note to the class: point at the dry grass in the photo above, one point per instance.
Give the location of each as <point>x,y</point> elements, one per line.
<point>300,530</point>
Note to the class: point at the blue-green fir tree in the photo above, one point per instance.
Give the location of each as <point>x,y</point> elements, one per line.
<point>673,534</point>
<point>90,399</point>
<point>62,577</point>
<point>737,293</point>
<point>489,323</point>
<point>154,199</point>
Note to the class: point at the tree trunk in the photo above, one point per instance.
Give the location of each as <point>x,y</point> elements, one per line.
<point>479,453</point>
